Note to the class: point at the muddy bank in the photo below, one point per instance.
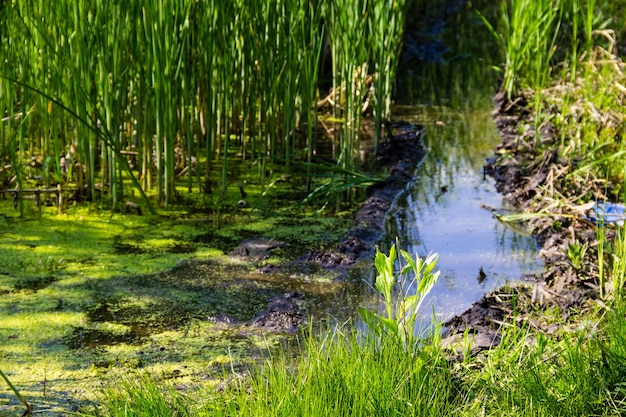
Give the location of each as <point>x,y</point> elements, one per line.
<point>399,154</point>
<point>531,171</point>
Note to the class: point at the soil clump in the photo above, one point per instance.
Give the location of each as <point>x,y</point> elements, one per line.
<point>530,169</point>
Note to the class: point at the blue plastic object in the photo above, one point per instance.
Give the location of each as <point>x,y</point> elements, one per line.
<point>607,213</point>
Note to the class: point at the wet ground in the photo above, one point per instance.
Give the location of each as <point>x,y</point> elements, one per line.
<point>522,174</point>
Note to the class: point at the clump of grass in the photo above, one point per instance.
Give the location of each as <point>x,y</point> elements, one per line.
<point>344,374</point>
<point>575,374</point>
<point>339,374</point>
<point>143,397</point>
<point>538,36</point>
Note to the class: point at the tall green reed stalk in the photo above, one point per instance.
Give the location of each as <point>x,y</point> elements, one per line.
<point>385,32</point>
<point>347,29</point>
<point>20,397</point>
<point>152,92</point>
<point>618,263</point>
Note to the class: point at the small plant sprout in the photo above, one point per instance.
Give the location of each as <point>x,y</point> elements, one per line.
<point>400,314</point>
<point>576,254</point>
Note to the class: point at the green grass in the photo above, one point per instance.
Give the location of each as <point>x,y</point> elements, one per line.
<point>339,374</point>
<point>344,373</point>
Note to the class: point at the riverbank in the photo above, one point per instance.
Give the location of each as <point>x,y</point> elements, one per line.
<point>537,176</point>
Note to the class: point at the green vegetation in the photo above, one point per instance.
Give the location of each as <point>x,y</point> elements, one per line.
<point>99,97</point>
<point>576,93</point>
<point>398,321</point>
<point>560,58</point>
<point>87,295</point>
<point>137,110</point>
<point>577,371</point>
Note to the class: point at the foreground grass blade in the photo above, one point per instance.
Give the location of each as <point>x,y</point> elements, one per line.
<point>19,396</point>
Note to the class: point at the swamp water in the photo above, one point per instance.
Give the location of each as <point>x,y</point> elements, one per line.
<point>448,210</point>
<point>449,207</point>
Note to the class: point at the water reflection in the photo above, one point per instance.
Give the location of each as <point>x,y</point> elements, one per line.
<point>447,210</point>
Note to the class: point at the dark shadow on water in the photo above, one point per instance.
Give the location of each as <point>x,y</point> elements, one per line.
<point>35,284</point>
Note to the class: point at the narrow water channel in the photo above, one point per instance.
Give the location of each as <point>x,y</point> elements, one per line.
<point>447,209</point>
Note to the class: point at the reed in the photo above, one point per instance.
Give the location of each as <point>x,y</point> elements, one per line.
<point>347,30</point>
<point>163,91</point>
<point>386,32</point>
<point>18,395</point>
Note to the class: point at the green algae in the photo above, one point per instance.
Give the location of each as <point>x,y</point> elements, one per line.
<point>90,294</point>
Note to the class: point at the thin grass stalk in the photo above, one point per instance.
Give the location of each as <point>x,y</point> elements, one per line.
<point>176,28</point>
<point>589,24</point>
<point>208,54</point>
<point>385,32</point>
<point>79,47</point>
<point>289,79</point>
<point>313,33</point>
<point>225,68</point>
<point>348,35</point>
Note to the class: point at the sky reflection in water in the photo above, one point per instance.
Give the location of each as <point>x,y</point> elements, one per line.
<point>446,211</point>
